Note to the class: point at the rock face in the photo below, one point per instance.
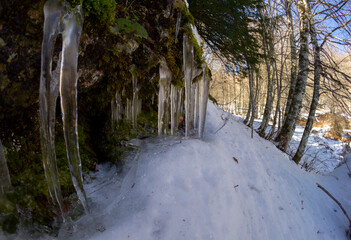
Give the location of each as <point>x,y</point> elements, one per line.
<point>114,38</point>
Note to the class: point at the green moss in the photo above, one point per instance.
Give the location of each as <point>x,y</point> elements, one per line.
<point>186,15</point>
<point>128,26</point>
<point>104,10</point>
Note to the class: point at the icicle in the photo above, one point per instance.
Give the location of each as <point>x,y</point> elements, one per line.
<point>129,110</point>
<point>116,109</point>
<point>179,105</point>
<point>188,63</point>
<point>178,26</point>
<point>163,97</point>
<point>140,104</point>
<point>5,181</point>
<point>203,98</point>
<point>72,24</point>
<point>196,104</point>
<point>53,12</point>
<point>57,16</point>
<point>174,103</point>
<point>135,97</point>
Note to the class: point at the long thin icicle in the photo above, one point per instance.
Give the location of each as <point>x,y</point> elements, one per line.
<point>178,26</point>
<point>5,181</point>
<point>203,99</point>
<point>128,113</point>
<point>60,19</point>
<point>174,114</point>
<point>135,100</point>
<point>163,97</point>
<point>54,10</point>
<point>179,105</point>
<point>72,25</point>
<point>196,104</point>
<point>188,63</point>
<point>116,108</point>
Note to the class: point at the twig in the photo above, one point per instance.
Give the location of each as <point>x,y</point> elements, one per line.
<point>335,201</point>
<point>224,123</point>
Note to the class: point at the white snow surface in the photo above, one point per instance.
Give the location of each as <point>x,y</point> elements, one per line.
<point>174,188</point>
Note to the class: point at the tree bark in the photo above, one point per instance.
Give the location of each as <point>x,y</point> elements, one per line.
<point>289,125</point>
<point>248,112</point>
<point>252,96</point>
<point>293,57</point>
<point>269,100</point>
<point>317,74</point>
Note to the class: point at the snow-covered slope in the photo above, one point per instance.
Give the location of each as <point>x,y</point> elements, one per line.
<point>177,188</point>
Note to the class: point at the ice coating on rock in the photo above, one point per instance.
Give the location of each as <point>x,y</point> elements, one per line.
<point>188,63</point>
<point>203,98</point>
<point>163,97</point>
<point>60,18</point>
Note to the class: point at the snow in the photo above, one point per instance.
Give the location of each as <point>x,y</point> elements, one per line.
<point>176,188</point>
<point>322,154</point>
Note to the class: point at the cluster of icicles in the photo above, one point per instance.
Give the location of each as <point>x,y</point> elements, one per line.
<point>171,101</point>
<point>60,18</point>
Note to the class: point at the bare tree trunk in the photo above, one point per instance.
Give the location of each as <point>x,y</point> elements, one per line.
<point>5,182</point>
<point>252,96</point>
<point>269,100</point>
<point>317,74</point>
<point>248,113</point>
<point>277,108</point>
<point>293,112</point>
<point>293,56</point>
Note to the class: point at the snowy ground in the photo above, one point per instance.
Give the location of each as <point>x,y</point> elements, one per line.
<point>322,155</point>
<point>227,186</point>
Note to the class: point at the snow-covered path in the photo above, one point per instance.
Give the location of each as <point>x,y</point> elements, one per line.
<point>177,188</point>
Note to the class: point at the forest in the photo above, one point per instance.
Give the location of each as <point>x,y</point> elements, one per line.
<point>88,89</point>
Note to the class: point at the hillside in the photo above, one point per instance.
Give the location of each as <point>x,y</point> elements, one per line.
<point>175,188</point>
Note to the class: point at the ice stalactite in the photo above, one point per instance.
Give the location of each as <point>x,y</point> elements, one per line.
<point>116,108</point>
<point>72,24</point>
<point>179,105</point>
<point>188,65</point>
<point>174,109</point>
<point>177,27</point>
<point>203,99</point>
<point>128,112</point>
<point>135,101</point>
<point>196,104</point>
<point>5,181</point>
<point>53,12</point>
<point>60,18</point>
<point>163,97</point>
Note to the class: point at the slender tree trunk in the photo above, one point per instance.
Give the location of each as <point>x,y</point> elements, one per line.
<point>277,108</point>
<point>293,56</point>
<point>248,113</point>
<point>269,100</point>
<point>289,125</point>
<point>234,89</point>
<point>279,89</point>
<point>5,182</point>
<point>317,73</point>
<point>252,95</point>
